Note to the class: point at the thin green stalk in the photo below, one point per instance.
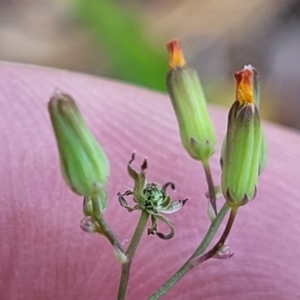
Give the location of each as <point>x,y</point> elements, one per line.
<point>105,229</point>
<point>221,241</point>
<point>130,253</point>
<point>210,184</point>
<point>215,224</point>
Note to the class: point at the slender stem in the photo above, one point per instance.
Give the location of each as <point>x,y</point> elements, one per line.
<point>221,241</point>
<point>201,248</point>
<point>210,184</point>
<point>105,229</point>
<point>130,253</point>
<point>98,216</point>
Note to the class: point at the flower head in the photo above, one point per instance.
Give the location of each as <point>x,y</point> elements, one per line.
<point>187,96</point>
<point>83,162</point>
<point>243,151</point>
<point>152,198</point>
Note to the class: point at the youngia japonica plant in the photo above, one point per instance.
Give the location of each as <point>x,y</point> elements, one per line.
<point>85,166</point>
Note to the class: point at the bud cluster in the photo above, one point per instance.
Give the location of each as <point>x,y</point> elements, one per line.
<point>244,150</point>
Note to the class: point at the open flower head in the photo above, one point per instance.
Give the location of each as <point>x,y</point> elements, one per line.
<point>151,197</point>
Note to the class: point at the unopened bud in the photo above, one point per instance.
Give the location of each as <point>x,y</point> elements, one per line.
<point>255,92</point>
<point>83,162</point>
<point>185,90</point>
<point>241,153</point>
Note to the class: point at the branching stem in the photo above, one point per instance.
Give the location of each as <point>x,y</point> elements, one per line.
<point>221,241</point>
<point>105,229</point>
<point>201,248</point>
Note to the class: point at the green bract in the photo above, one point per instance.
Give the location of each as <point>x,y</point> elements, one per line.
<point>83,162</point>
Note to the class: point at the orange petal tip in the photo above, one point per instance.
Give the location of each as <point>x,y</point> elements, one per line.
<point>176,55</point>
<point>244,85</point>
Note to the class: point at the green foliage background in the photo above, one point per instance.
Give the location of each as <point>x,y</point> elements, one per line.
<point>121,35</point>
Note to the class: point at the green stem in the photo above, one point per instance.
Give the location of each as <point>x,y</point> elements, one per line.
<point>105,229</point>
<point>221,241</point>
<point>215,224</point>
<point>130,253</point>
<point>210,184</point>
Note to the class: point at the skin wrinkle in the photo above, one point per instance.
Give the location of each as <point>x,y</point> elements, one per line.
<point>44,254</point>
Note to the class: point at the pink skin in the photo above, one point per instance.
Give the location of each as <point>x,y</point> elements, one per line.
<point>45,255</point>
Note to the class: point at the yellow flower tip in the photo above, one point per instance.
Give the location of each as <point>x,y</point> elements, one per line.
<point>176,55</point>
<point>244,85</point>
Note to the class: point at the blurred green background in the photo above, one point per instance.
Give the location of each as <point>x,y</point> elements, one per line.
<point>125,40</point>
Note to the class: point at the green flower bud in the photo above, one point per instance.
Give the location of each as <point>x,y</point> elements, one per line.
<point>196,129</point>
<point>263,148</point>
<point>83,162</point>
<point>242,148</point>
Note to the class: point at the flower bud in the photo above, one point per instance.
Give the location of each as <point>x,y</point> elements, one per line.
<point>84,164</point>
<point>241,153</point>
<point>256,94</point>
<point>196,129</point>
